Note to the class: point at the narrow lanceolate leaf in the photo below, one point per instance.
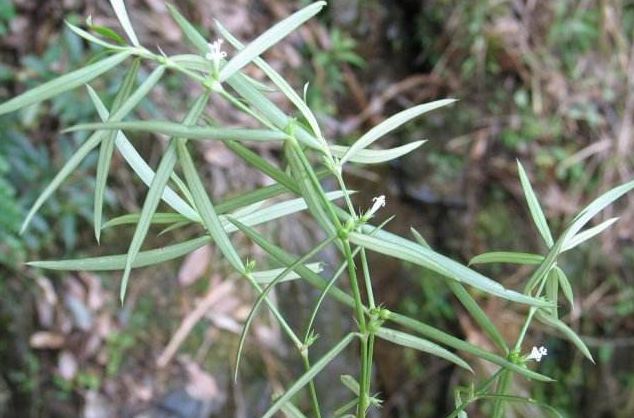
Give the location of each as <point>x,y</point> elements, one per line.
<point>206,209</point>
<point>268,39</point>
<point>291,411</point>
<point>597,206</point>
<point>545,266</point>
<point>309,375</point>
<point>507,257</point>
<point>376,156</point>
<point>107,147</point>
<point>390,124</point>
<point>566,331</point>
<point>92,38</point>
<point>118,262</point>
<point>64,83</point>
<point>478,314</point>
<point>470,304</point>
<point>552,293</point>
<point>309,191</point>
<point>122,15</point>
<point>70,166</point>
<point>186,131</point>
<point>533,205</point>
<point>95,139</point>
<point>140,166</point>
<point>278,80</point>
<point>267,276</point>
<point>165,169</point>
<point>456,343</point>
<point>275,211</point>
<point>565,285</point>
<point>188,29</point>
<point>407,340</point>
<point>263,165</point>
<point>442,265</point>
<point>133,218</point>
<point>587,234</point>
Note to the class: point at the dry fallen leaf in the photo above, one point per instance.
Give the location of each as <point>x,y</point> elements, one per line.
<point>194,266</point>
<point>201,385</point>
<point>67,365</point>
<point>46,340</point>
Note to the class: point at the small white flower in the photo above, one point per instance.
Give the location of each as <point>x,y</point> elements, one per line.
<point>379,202</point>
<point>537,354</point>
<point>215,54</point>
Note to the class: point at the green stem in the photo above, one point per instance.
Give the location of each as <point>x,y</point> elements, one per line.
<point>507,375</point>
<point>358,306</point>
<point>311,387</point>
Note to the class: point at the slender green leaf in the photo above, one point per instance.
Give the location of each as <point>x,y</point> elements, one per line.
<point>186,131</point>
<point>188,29</point>
<point>565,285</point>
<point>92,38</point>
<point>552,292</point>
<point>390,124</point>
<point>350,382</point>
<point>456,343</point>
<point>107,147</point>
<point>544,267</point>
<point>206,209</point>
<point>507,257</point>
<point>278,80</point>
<point>140,93</point>
<point>133,218</point>
<point>419,239</point>
<point>140,167</point>
<point>420,344</point>
<point>118,262</point>
<point>267,276</point>
<point>268,39</point>
<point>105,32</point>
<point>533,205</point>
<point>263,165</point>
<point>376,156</point>
<point>478,314</point>
<point>443,265</point>
<point>309,375</point>
<point>122,15</point>
<point>597,206</point>
<point>587,234</point>
<point>566,331</point>
<point>308,189</point>
<point>166,166</point>
<point>64,83</point>
<point>70,166</point>
<point>470,304</point>
<point>291,411</point>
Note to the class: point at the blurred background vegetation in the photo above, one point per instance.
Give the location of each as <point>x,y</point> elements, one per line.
<point>550,83</point>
